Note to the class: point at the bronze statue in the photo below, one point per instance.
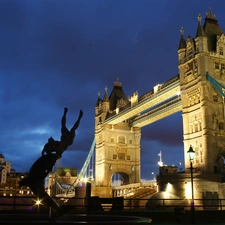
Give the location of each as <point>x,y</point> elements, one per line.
<point>67,137</point>
<point>43,165</point>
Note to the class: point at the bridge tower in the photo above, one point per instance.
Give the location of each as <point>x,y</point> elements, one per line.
<point>117,146</point>
<point>203,106</point>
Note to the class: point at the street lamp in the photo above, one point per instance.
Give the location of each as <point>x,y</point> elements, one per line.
<point>153,174</point>
<point>191,154</point>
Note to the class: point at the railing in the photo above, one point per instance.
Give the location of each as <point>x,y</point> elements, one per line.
<point>142,204</point>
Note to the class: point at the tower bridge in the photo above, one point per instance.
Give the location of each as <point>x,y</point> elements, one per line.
<point>119,119</point>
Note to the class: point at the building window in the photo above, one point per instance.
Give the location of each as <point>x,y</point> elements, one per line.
<point>196,127</point>
<point>130,142</point>
<point>221,50</point>
<point>121,139</point>
<point>128,157</point>
<point>112,140</point>
<point>220,125</point>
<point>222,66</point>
<point>114,156</point>
<point>121,156</point>
<point>217,65</point>
<point>215,97</point>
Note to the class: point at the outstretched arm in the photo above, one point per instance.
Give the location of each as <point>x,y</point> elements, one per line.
<point>76,125</point>
<point>63,120</point>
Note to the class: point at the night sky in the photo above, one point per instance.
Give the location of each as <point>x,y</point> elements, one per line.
<point>60,53</point>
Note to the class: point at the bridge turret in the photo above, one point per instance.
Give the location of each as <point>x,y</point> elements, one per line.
<point>98,104</point>
<point>105,105</point>
<point>201,40</point>
<point>98,110</point>
<point>182,47</point>
<point>202,107</point>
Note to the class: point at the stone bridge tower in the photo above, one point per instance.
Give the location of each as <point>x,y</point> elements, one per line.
<point>117,146</point>
<point>203,106</point>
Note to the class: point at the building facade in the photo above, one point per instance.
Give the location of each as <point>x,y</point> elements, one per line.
<point>10,179</point>
<point>203,105</point>
<point>117,146</point>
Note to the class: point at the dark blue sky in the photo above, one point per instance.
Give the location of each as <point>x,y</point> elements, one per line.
<point>60,53</point>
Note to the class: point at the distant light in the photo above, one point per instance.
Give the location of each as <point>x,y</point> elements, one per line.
<point>38,202</point>
<point>178,93</point>
<point>160,163</point>
<point>169,187</point>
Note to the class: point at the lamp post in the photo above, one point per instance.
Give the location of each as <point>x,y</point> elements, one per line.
<point>191,154</point>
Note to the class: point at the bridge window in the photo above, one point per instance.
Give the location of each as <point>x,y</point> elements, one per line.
<point>221,50</point>
<point>215,97</point>
<point>121,139</point>
<point>121,156</point>
<point>222,66</point>
<point>196,127</point>
<point>112,140</point>
<point>217,65</point>
<point>128,157</point>
<point>220,125</point>
<point>114,156</point>
<point>200,125</point>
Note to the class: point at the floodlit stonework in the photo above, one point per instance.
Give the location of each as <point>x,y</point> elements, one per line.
<point>202,104</point>
<point>117,146</point>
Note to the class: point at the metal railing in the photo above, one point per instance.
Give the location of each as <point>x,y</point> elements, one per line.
<point>29,203</point>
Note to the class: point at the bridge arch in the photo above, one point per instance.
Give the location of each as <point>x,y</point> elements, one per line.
<point>122,179</point>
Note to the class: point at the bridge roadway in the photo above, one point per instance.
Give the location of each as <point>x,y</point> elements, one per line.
<point>168,92</point>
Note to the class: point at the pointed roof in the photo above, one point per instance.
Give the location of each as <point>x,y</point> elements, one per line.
<point>200,31</point>
<point>182,39</point>
<point>212,29</point>
<point>106,97</point>
<point>1,156</point>
<point>117,94</point>
<point>98,100</point>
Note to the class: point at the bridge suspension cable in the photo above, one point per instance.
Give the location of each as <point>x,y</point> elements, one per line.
<point>84,168</point>
<point>218,86</point>
<point>80,176</point>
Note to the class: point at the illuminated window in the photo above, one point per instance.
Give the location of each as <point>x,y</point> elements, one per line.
<point>222,66</point>
<point>221,50</point>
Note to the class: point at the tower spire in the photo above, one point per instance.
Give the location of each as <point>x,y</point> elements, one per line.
<point>106,97</point>
<point>98,100</point>
<point>182,39</point>
<point>200,31</point>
